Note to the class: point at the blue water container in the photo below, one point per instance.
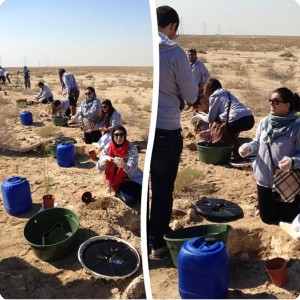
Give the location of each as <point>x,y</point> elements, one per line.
<point>26,118</point>
<point>16,195</point>
<point>203,269</point>
<point>65,154</point>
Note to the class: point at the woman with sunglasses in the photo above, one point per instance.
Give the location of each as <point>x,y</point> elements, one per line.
<point>109,118</point>
<point>119,162</point>
<point>89,113</point>
<point>279,133</point>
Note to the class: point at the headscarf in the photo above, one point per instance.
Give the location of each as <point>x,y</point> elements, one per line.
<point>276,126</point>
<point>114,175</point>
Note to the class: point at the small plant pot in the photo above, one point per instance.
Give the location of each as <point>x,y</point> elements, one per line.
<point>277,270</point>
<point>48,201</point>
<point>93,155</point>
<point>85,196</point>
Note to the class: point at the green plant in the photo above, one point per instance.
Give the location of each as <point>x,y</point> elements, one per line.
<point>185,178</point>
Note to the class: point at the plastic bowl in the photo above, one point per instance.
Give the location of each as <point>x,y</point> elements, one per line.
<point>175,239</point>
<point>52,233</point>
<point>217,154</point>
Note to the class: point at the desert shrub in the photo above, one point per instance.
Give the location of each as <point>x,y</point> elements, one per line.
<point>89,77</point>
<point>47,131</point>
<point>9,112</point>
<point>130,101</point>
<point>147,108</point>
<point>4,101</point>
<point>281,76</point>
<point>145,84</point>
<point>185,177</point>
<point>287,54</point>
<point>203,59</point>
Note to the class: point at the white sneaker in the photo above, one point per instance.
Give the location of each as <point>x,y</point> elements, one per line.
<point>158,253</point>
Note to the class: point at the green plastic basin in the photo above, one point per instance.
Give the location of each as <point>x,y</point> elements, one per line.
<point>175,239</point>
<point>60,121</point>
<point>52,233</point>
<point>217,154</point>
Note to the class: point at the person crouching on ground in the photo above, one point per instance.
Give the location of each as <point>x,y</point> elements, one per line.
<point>119,161</point>
<point>88,113</point>
<point>61,108</point>
<point>45,95</point>
<point>278,135</point>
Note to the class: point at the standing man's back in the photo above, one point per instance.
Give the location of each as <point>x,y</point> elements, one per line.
<point>177,85</point>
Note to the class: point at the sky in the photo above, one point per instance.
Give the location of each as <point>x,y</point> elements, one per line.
<point>75,33</point>
<point>237,17</point>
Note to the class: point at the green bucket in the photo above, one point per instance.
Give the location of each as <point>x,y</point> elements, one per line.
<point>60,121</point>
<point>51,148</point>
<point>217,154</point>
<point>52,233</point>
<point>175,239</point>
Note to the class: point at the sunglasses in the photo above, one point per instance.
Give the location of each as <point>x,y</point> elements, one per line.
<point>122,134</point>
<point>89,93</point>
<point>275,101</point>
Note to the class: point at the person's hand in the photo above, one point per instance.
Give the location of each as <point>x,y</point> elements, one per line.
<point>107,158</point>
<point>244,150</point>
<point>285,164</point>
<point>119,162</point>
<point>74,119</point>
<point>204,133</point>
<point>198,117</point>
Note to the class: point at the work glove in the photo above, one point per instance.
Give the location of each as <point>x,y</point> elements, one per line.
<point>285,164</point>
<point>74,119</point>
<point>244,150</point>
<point>106,158</point>
<point>119,162</point>
<point>198,117</point>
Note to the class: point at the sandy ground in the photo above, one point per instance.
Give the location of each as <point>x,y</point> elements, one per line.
<point>23,275</point>
<point>249,236</point>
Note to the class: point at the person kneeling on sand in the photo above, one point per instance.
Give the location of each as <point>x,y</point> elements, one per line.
<point>61,108</point>
<point>45,95</point>
<point>119,161</point>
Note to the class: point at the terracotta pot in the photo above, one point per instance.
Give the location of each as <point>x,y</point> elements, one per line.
<point>48,201</point>
<point>85,196</point>
<point>93,155</point>
<point>277,270</point>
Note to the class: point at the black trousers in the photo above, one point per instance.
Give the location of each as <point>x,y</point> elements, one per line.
<point>272,211</point>
<point>92,137</point>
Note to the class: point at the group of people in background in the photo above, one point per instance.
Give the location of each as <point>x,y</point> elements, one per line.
<point>186,81</point>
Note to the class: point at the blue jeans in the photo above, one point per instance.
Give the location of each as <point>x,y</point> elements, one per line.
<point>165,159</point>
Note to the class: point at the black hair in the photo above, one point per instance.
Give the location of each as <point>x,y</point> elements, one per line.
<point>91,89</point>
<point>118,127</point>
<point>211,85</point>
<point>289,97</point>
<point>105,116</point>
<point>192,50</point>
<point>56,103</point>
<point>41,83</point>
<point>166,15</point>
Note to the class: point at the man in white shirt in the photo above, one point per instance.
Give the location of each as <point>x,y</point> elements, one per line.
<point>45,95</point>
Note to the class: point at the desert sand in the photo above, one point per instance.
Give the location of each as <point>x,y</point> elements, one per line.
<point>251,68</point>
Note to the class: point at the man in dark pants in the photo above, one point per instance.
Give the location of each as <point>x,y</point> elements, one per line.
<point>176,85</point>
<point>26,75</point>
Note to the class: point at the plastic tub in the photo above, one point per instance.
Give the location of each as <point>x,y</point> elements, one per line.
<point>60,121</point>
<point>52,233</point>
<point>175,239</point>
<point>217,154</point>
